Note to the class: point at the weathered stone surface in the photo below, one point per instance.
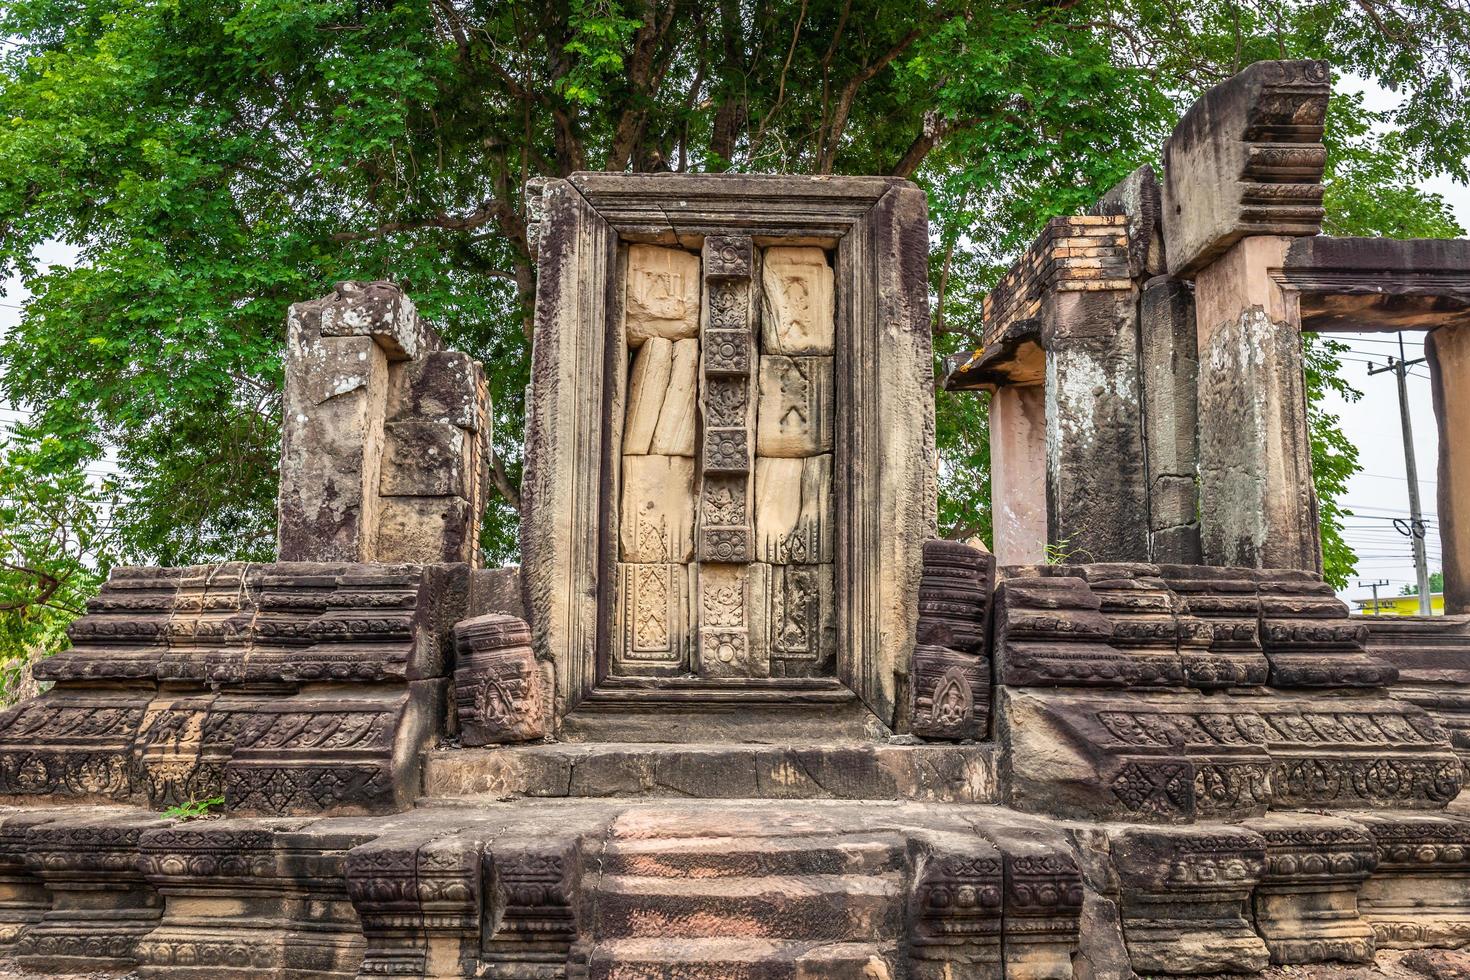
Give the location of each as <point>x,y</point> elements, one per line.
<point>565,503</point>
<point>797,295</point>
<point>657,521</point>
<point>1049,631</point>
<point>1306,904</point>
<point>955,909</point>
<point>1419,894</point>
<point>951,694</point>
<point>1379,284</point>
<point>648,383</point>
<point>793,510</point>
<point>381,311</point>
<point>654,617</point>
<point>425,459</point>
<point>1257,503</point>
<point>496,590</point>
<point>674,434</point>
<point>796,410</point>
<point>1246,159</point>
<point>1184,890</point>
<point>730,640</point>
<point>662,295</point>
<point>1169,369</point>
<point>1309,639</point>
<point>1096,485</point>
<point>1222,647</point>
<point>440,386</point>
<point>497,684</point>
<point>1018,473</point>
<point>1138,197</point>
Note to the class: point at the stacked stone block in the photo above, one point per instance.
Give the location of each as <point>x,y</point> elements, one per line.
<point>385,443</point>
<point>499,690</point>
<point>289,687</point>
<point>949,679</point>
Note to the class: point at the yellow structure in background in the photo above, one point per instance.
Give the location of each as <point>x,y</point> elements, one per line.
<point>1401,605</point>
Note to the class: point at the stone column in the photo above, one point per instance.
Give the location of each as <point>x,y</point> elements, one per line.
<point>1258,507</point>
<point>1018,474</point>
<point>1169,365</point>
<point>1448,351</point>
<point>1095,495</point>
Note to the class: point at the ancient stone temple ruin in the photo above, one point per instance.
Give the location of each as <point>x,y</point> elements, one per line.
<point>740,713</point>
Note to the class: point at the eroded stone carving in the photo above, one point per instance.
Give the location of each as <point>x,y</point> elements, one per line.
<point>662,294</point>
<point>498,690</point>
<point>798,301</point>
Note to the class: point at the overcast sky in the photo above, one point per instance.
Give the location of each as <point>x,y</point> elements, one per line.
<point>1376,495</point>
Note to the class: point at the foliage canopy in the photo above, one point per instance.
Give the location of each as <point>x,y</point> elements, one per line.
<point>212,161</point>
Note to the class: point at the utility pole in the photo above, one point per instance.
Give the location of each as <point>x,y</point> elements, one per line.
<point>1375,587</point>
<point>1400,369</point>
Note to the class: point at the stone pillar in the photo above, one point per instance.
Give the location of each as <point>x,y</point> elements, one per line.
<point>1018,474</point>
<point>1095,494</point>
<point>385,438</point>
<point>1169,365</point>
<point>1448,351</point>
<point>1258,507</point>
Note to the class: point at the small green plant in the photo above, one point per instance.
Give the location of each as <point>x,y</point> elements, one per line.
<point>194,809</point>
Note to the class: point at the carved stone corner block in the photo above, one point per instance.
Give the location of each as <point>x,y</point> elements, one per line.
<point>124,632</point>
<point>798,298</point>
<point>1221,606</point>
<point>1043,902</point>
<point>950,694</point>
<point>728,257</point>
<point>955,907</point>
<point>654,618</point>
<point>1246,159</point>
<point>729,644</point>
<point>657,512</point>
<point>794,504</point>
<point>1167,759</point>
<point>531,887</point>
<point>796,410</point>
<point>1184,890</point>
<point>662,294</point>
<point>1050,632</point>
<point>101,904</point>
<point>1356,752</point>
<point>1309,638</point>
<point>795,618</point>
<point>497,683</point>
<point>1419,894</point>
<point>338,752</point>
<point>71,745</point>
<point>1306,904</point>
<point>419,901</point>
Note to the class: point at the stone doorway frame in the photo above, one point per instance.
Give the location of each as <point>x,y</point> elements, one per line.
<point>884,484</point>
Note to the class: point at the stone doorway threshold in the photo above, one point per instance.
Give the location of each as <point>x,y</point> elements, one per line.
<point>837,771</point>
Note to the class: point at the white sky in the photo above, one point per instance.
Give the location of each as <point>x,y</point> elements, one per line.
<point>1376,495</point>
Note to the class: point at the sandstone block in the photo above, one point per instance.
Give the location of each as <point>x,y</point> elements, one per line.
<point>381,311</point>
<point>414,528</point>
<point>796,409</point>
<point>662,294</point>
<point>654,618</point>
<point>674,434</point>
<point>728,646</point>
<point>657,516</point>
<point>647,385</point>
<point>425,459</point>
<point>950,694</point>
<point>441,386</point>
<point>497,683</point>
<point>797,301</point>
<point>793,510</point>
<point>795,618</point>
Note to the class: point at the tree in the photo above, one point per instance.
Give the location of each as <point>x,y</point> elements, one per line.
<point>214,161</point>
<point>1436,585</point>
<point>55,540</point>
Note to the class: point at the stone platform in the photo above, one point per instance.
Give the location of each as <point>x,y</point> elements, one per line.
<point>624,887</point>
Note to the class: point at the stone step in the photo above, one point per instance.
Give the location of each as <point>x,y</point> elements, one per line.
<point>735,959</point>
<point>798,907</point>
<point>838,771</point>
<point>730,857</point>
